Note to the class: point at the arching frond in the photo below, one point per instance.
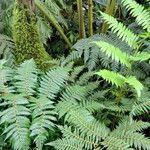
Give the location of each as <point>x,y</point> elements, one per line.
<point>114,53</point>
<point>119,80</point>
<point>142,15</point>
<point>112,77</point>
<point>122,32</point>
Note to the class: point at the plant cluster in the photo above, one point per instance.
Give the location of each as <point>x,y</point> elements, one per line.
<point>95,98</point>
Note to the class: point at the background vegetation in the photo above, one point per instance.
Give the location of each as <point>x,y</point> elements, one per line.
<point>74,75</point>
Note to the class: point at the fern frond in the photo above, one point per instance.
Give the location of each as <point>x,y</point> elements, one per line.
<point>112,77</point>
<point>53,81</point>
<point>113,143</point>
<point>42,119</point>
<point>6,75</point>
<point>26,78</point>
<point>84,139</point>
<point>119,80</point>
<point>142,15</point>
<point>132,81</point>
<point>138,140</point>
<point>140,56</point>
<point>66,144</point>
<point>122,32</point>
<point>82,119</point>
<point>114,53</point>
<point>92,105</point>
<point>127,131</point>
<point>140,108</point>
<point>16,119</point>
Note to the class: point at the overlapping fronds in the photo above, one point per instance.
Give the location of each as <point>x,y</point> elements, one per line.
<point>122,31</point>
<point>139,12</point>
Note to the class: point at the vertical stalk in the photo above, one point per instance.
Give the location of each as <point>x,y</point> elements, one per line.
<point>53,21</point>
<point>90,17</point>
<point>81,19</point>
<point>109,10</point>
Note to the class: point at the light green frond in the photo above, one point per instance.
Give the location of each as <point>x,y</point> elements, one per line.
<point>114,53</point>
<point>112,77</point>
<point>26,78</point>
<point>140,56</point>
<point>142,15</point>
<point>119,80</point>
<point>42,119</point>
<point>122,31</point>
<point>16,119</point>
<point>132,81</point>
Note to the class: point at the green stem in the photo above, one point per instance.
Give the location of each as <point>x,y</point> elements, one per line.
<point>90,17</point>
<point>81,19</point>
<point>109,10</point>
<point>50,17</point>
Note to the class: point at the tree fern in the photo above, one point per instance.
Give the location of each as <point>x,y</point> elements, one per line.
<point>139,12</point>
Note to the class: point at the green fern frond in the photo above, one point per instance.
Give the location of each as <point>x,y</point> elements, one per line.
<point>84,139</point>
<point>114,53</point>
<point>132,81</point>
<point>6,75</point>
<point>122,32</point>
<point>82,119</point>
<point>26,78</point>
<point>112,77</point>
<point>92,105</point>
<point>66,144</point>
<point>119,80</point>
<point>140,56</point>
<point>140,108</point>
<point>16,119</point>
<point>53,81</point>
<point>113,143</point>
<point>142,15</point>
<point>138,140</point>
<point>42,119</point>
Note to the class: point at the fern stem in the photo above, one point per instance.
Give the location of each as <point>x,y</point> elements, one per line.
<point>81,19</point>
<point>54,22</point>
<point>109,10</point>
<point>90,17</point>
